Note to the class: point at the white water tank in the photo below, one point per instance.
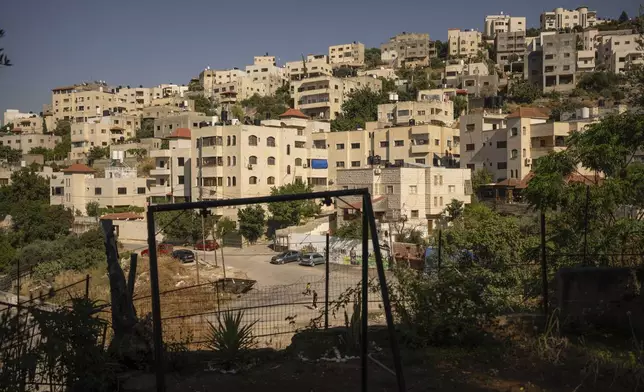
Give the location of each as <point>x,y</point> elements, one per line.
<point>115,155</point>
<point>585,112</point>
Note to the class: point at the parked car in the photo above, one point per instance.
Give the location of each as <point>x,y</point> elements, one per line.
<point>184,255</point>
<point>163,248</point>
<point>286,257</point>
<point>210,245</point>
<point>312,259</point>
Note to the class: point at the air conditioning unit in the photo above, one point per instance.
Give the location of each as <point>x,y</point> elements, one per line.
<point>250,167</point>
<point>376,171</point>
<point>528,162</point>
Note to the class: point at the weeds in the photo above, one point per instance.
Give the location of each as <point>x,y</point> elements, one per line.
<point>551,346</point>
<point>350,340</point>
<point>230,338</point>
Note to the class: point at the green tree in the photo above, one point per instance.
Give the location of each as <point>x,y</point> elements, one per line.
<point>63,148</point>
<point>224,227</point>
<point>291,213</point>
<point>481,177</point>
<point>372,58</point>
<point>93,209</point>
<point>27,185</point>
<point>33,220</point>
<point>359,107</point>
<point>63,128</point>
<point>146,130</point>
<point>460,105</point>
<point>350,230</point>
<point>12,156</point>
<point>205,105</point>
<point>47,153</point>
<point>4,60</point>
<point>442,50</point>
<point>453,210</point>
<point>532,32</point>
<point>273,105</point>
<point>44,126</point>
<point>602,83</point>
<point>194,85</point>
<point>98,153</point>
<point>623,17</point>
<point>252,221</point>
<point>184,227</point>
<point>237,111</point>
<point>344,72</point>
<point>7,252</point>
<point>417,79</point>
<point>523,91</point>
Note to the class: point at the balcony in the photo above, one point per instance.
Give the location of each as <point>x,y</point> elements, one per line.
<point>212,171</point>
<point>160,171</point>
<point>538,152</point>
<point>420,148</point>
<point>313,105</point>
<point>317,91</point>
<point>420,130</point>
<point>160,153</point>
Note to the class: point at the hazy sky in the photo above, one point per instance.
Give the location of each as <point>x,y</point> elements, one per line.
<point>132,42</point>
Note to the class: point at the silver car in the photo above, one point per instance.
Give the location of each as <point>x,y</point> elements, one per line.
<point>312,259</point>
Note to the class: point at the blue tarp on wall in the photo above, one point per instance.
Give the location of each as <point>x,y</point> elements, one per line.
<point>319,164</point>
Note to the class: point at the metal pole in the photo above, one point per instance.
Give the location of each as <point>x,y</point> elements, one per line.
<point>87,286</point>
<point>366,199</point>
<point>203,212</point>
<point>131,277</point>
<point>326,285</point>
<point>157,333</point>
<point>400,377</point>
<point>18,286</point>
<point>586,223</point>
<point>440,248</point>
<point>544,267</point>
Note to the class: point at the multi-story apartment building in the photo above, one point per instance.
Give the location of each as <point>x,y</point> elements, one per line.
<point>619,52</point>
<point>463,43</point>
<point>239,89</point>
<point>25,141</point>
<point>533,58</point>
<point>586,60</point>
<point>102,132</point>
<point>322,96</point>
<point>313,66</point>
<point>454,69</point>
<point>13,116</point>
<point>141,97</point>
<point>416,195</point>
<point>559,62</point>
<point>382,72</point>
<point>164,126</point>
<point>208,78</point>
<point>508,145</point>
<point>347,55</point>
<point>408,50</point>
<point>78,185</point>
<point>265,71</point>
<point>472,77</point>
<point>79,102</point>
<point>510,49</point>
<point>433,109</point>
<point>561,18</point>
<point>495,24</point>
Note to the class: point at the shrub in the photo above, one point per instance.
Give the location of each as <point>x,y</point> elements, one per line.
<point>230,338</point>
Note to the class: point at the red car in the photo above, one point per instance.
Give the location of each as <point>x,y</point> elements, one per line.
<point>162,249</point>
<point>210,245</point>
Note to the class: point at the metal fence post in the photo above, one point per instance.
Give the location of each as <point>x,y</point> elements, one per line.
<point>87,286</point>
<point>544,267</point>
<point>157,333</point>
<point>326,285</point>
<point>366,199</point>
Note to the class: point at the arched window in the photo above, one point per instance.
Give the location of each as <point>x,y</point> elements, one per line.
<point>252,160</point>
<point>228,140</point>
<point>288,149</point>
<point>271,161</point>
<point>228,181</point>
<point>288,169</point>
<point>234,160</point>
<point>270,141</point>
<point>252,180</point>
<point>234,181</point>
<point>252,140</point>
<point>515,154</point>
<point>523,153</point>
<point>270,180</point>
<point>298,162</point>
<point>234,140</point>
<point>523,131</point>
<point>227,161</point>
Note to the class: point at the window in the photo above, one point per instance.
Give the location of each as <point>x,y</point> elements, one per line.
<point>399,143</point>
<point>234,181</point>
<point>270,141</point>
<point>501,165</point>
<point>414,213</point>
<point>501,144</point>
<point>523,130</point>
<point>140,190</point>
<point>122,191</point>
<point>469,147</point>
<point>355,163</point>
<point>270,161</point>
<point>451,188</point>
<point>469,127</point>
<point>98,191</point>
<point>441,201</point>
<point>437,142</point>
<point>181,180</point>
<point>234,161</point>
<point>440,178</point>
<point>399,162</point>
<point>288,149</point>
<point>252,180</point>
<point>288,169</point>
<point>339,164</point>
<point>420,160</point>
<point>566,55</point>
<point>514,154</point>
<point>566,67</point>
<point>339,146</point>
<point>180,161</point>
<point>355,145</point>
<point>228,140</point>
<point>413,189</point>
<point>252,140</point>
<point>514,131</point>
<point>435,201</point>
<point>384,143</point>
<point>435,180</point>
<point>523,153</point>
<point>270,180</point>
<point>228,182</point>
<point>389,190</point>
<point>252,160</point>
<point>234,141</point>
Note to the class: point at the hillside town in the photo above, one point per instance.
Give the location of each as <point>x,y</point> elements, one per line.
<point>501,164</point>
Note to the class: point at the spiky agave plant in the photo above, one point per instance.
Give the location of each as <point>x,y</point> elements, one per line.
<point>230,337</point>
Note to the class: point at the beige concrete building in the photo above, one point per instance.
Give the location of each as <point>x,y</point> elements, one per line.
<point>382,72</point>
<point>32,123</point>
<point>416,195</point>
<point>617,53</point>
<point>77,185</point>
<point>510,49</point>
<point>561,18</point>
<point>208,78</point>
<point>586,60</point>
<point>314,66</point>
<point>102,132</point>
<point>25,141</point>
<point>241,88</point>
<point>408,50</point>
<point>495,24</point>
<point>321,97</point>
<point>79,102</point>
<point>140,97</point>
<point>464,43</point>
<point>347,55</point>
<point>14,116</point>
<point>265,71</point>
<point>559,62</point>
<point>7,171</point>
<point>166,125</point>
<point>434,109</point>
